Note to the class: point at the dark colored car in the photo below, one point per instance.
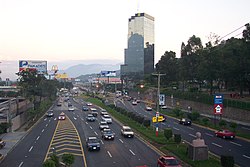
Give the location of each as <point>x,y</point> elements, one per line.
<point>185,121</point>
<point>93,143</point>
<point>108,134</point>
<point>168,161</point>
<point>85,108</point>
<point>90,118</point>
<point>224,133</point>
<point>2,143</point>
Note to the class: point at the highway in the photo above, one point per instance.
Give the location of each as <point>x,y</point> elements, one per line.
<point>237,147</point>
<point>50,135</point>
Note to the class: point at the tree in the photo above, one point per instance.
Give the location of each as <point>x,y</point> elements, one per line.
<point>55,158</point>
<point>68,159</point>
<point>168,133</point>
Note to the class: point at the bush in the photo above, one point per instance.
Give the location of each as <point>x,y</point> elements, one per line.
<point>146,123</point>
<point>49,163</point>
<point>68,159</point>
<point>227,161</point>
<point>4,126</point>
<point>168,133</point>
<point>205,121</point>
<point>222,123</point>
<point>177,138</point>
<point>177,112</point>
<point>193,116</point>
<point>55,158</point>
<point>233,125</point>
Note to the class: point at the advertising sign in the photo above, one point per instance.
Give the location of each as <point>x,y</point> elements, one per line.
<point>40,66</point>
<point>161,99</point>
<point>108,73</point>
<point>218,103</point>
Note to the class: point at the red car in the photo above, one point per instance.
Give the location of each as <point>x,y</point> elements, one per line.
<point>224,133</point>
<point>168,161</point>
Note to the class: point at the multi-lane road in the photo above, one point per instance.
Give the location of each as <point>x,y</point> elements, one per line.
<point>239,148</point>
<point>51,135</point>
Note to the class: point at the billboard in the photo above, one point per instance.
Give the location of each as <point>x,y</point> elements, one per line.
<point>108,73</point>
<point>40,66</point>
<point>161,99</point>
<point>218,104</point>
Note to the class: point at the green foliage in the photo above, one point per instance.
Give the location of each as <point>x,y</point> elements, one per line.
<point>49,163</point>
<point>4,126</point>
<point>146,123</point>
<point>177,112</point>
<point>227,161</point>
<point>194,115</point>
<point>68,159</point>
<point>205,121</point>
<point>233,125</point>
<point>55,158</point>
<point>222,123</point>
<point>168,133</point>
<point>177,138</point>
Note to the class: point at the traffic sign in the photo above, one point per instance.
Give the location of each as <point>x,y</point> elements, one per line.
<point>160,119</point>
<point>154,119</point>
<point>218,108</point>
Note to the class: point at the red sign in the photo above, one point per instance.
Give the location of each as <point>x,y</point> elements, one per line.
<point>218,108</point>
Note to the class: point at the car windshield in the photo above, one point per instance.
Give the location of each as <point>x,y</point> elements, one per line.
<point>127,130</point>
<point>171,162</point>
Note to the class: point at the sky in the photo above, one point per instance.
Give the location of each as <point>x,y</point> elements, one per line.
<point>63,30</point>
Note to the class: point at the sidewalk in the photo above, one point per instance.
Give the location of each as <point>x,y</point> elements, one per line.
<point>11,139</point>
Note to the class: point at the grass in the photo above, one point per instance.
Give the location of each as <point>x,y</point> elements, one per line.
<point>160,141</point>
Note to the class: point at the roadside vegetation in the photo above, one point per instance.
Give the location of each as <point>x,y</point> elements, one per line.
<point>165,141</point>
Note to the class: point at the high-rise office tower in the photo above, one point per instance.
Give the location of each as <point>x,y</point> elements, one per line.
<point>139,55</point>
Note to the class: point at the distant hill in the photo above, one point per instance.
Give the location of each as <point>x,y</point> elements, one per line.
<point>82,69</point>
<point>73,68</point>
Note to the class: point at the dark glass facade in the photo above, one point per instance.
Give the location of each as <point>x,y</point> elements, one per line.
<point>139,55</point>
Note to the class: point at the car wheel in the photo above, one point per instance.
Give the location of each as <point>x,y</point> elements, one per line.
<point>224,137</point>
<point>216,135</point>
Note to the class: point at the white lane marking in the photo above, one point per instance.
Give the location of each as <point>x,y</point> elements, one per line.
<point>237,144</point>
<point>176,128</point>
<point>75,118</point>
<point>217,145</point>
<point>78,116</point>
<point>209,134</point>
<point>45,119</point>
<point>54,119</point>
<point>96,133</point>
<point>102,142</point>
<point>245,128</point>
<point>46,125</point>
<point>246,156</point>
<point>82,119</point>
<point>73,113</point>
<point>86,123</point>
<point>175,123</point>
<point>43,130</point>
<point>191,135</point>
<point>49,120</point>
<point>37,137</point>
<point>132,152</point>
<point>163,123</point>
<point>190,128</point>
<point>109,154</point>
<point>121,140</point>
<point>30,148</point>
<point>20,164</point>
<point>91,127</point>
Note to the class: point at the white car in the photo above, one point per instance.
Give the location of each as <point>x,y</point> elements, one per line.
<point>134,102</point>
<point>107,118</point>
<point>62,116</point>
<point>163,107</point>
<point>103,125</point>
<point>71,108</point>
<point>148,108</point>
<point>89,104</point>
<point>126,131</point>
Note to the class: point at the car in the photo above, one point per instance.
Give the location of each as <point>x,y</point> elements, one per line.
<point>107,118</point>
<point>94,112</point>
<point>93,143</point>
<point>185,121</point>
<point>89,104</point>
<point>108,134</point>
<point>138,101</point>
<point>90,118</point>
<point>59,104</point>
<point>85,108</point>
<point>103,125</point>
<point>224,133</point>
<point>2,143</point>
<point>149,108</point>
<point>104,112</point>
<point>134,102</point>
<point>70,105</point>
<point>168,161</point>
<point>50,113</point>
<point>71,108</point>
<point>126,131</point>
<point>163,107</point>
<point>62,116</point>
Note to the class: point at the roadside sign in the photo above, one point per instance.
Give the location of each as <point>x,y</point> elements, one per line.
<point>161,99</point>
<point>154,119</point>
<point>160,119</point>
<point>218,104</point>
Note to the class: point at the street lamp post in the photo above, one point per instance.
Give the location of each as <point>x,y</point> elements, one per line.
<point>157,102</point>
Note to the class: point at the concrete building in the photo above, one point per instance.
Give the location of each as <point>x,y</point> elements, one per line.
<point>139,55</point>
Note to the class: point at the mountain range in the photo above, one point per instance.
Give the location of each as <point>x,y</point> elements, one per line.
<point>73,68</point>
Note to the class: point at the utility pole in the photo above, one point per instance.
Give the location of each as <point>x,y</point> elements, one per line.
<point>157,102</point>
